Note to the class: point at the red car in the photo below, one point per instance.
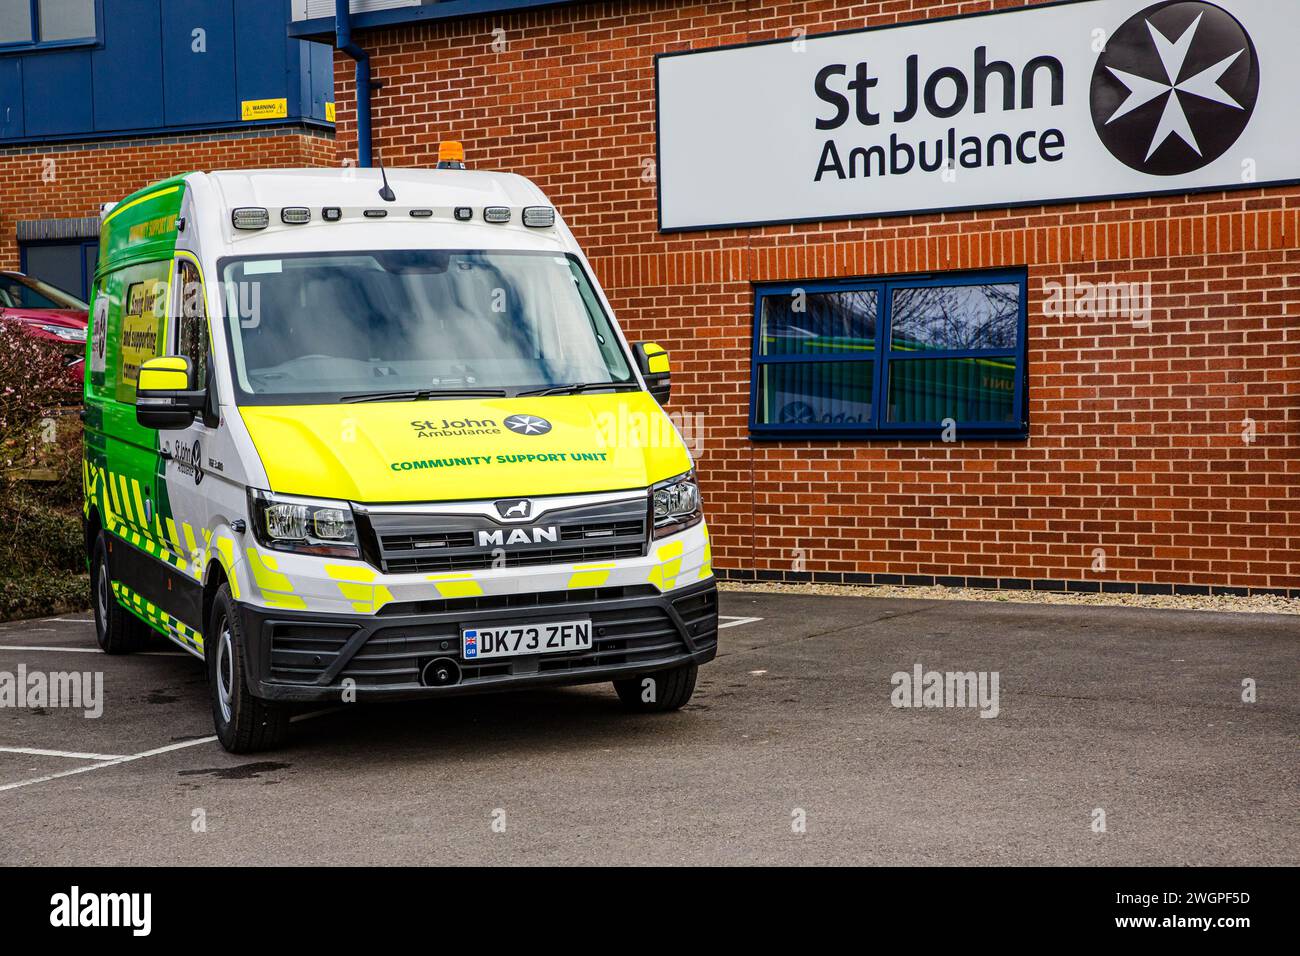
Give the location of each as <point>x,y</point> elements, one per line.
<point>45,312</point>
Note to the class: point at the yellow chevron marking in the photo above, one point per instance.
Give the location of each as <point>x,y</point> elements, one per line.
<point>456,585</point>
<point>589,575</point>
<point>664,574</point>
<point>226,548</point>
<point>141,513</point>
<point>124,496</point>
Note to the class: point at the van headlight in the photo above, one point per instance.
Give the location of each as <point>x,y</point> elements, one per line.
<point>675,505</point>
<point>304,525</point>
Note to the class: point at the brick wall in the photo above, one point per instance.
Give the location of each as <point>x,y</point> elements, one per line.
<point>65,181</point>
<point>1136,435</point>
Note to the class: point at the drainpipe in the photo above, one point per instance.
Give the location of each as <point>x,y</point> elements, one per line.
<point>343,41</point>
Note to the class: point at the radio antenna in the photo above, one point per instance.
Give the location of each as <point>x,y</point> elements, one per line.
<point>386,194</point>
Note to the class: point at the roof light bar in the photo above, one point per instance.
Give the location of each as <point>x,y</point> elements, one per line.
<point>539,217</point>
<point>497,214</point>
<point>295,215</point>
<point>250,217</point>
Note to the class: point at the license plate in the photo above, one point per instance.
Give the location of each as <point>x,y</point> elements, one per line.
<point>508,640</point>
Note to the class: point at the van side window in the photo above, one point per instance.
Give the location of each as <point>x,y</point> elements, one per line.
<point>192,327</point>
<point>138,334</point>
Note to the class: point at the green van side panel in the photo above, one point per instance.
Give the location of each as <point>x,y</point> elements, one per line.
<point>142,226</point>
<point>122,474</point>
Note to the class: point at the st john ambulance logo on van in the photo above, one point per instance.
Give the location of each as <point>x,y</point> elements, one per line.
<point>454,427</point>
<point>189,460</point>
<point>1175,88</point>
<point>527,425</point>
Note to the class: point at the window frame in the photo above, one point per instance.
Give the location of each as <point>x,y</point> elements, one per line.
<point>882,358</point>
<point>37,44</point>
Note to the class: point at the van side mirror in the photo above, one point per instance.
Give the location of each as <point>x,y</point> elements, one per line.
<point>164,394</point>
<point>652,359</point>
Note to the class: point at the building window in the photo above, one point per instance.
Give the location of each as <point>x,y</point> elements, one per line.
<point>69,265</point>
<point>896,358</point>
<point>56,22</point>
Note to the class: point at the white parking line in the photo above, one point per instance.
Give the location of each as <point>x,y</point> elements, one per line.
<point>115,761</point>
<point>733,621</point>
<point>86,650</point>
<point>37,752</point>
<point>107,763</point>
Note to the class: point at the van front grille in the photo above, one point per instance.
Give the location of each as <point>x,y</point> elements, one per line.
<point>394,653</point>
<point>405,541</point>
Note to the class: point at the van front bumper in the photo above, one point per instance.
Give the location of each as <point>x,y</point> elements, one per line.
<point>301,656</point>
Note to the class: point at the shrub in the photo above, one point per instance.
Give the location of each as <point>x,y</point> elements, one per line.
<point>42,552</point>
<point>32,386</point>
<point>38,595</point>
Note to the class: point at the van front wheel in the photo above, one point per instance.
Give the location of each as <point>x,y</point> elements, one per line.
<point>658,692</point>
<point>244,723</point>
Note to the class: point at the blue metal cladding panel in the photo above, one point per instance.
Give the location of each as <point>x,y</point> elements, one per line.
<point>199,67</point>
<point>262,52</point>
<point>322,78</point>
<point>150,72</point>
<point>56,93</point>
<point>11,97</point>
<point>127,72</point>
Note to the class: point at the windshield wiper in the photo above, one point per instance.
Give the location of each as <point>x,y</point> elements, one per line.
<point>425,394</point>
<point>577,387</point>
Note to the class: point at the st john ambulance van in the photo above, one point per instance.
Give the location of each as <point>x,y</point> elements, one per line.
<point>356,436</point>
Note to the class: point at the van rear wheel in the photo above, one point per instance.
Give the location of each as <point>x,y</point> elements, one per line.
<point>244,723</point>
<point>117,630</point>
<point>658,692</point>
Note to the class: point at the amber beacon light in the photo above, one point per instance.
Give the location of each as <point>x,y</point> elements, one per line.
<point>451,155</point>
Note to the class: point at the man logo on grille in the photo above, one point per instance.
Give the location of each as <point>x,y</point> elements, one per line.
<point>517,508</point>
<point>1175,87</point>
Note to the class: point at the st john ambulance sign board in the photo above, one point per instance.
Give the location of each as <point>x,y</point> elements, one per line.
<point>1075,100</point>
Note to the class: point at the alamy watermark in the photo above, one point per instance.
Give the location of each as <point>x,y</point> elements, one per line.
<point>1078,298</point>
<point>78,690</point>
<point>74,909</point>
<point>922,688</point>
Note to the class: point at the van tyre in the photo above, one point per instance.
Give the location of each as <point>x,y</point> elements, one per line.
<point>244,723</point>
<point>117,630</point>
<point>670,690</point>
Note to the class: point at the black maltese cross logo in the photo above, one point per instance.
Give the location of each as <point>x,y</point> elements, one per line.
<point>528,425</point>
<point>1175,88</point>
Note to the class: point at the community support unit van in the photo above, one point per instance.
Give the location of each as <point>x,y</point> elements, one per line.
<point>362,437</point>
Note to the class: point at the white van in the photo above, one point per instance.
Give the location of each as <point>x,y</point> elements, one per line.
<point>364,436</point>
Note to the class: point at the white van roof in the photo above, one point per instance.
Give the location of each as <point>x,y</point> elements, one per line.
<point>423,215</point>
<point>356,187</point>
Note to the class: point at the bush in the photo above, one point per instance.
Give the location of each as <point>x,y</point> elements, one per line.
<point>40,596</point>
<point>42,552</point>
<point>32,387</point>
<point>42,531</point>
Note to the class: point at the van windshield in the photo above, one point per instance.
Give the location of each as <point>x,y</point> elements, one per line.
<point>339,326</point>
